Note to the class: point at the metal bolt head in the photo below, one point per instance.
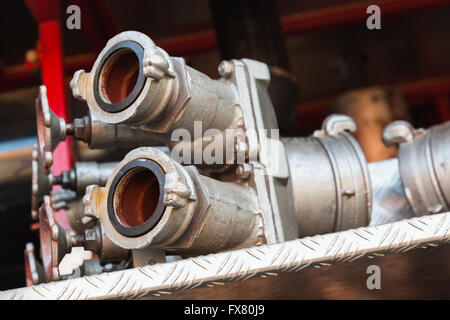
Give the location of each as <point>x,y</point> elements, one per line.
<point>90,201</point>
<point>81,128</point>
<point>91,238</point>
<point>244,170</point>
<point>77,84</point>
<point>226,69</point>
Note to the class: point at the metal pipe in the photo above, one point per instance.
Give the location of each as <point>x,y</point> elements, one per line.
<point>389,199</point>
<point>330,181</point>
<point>150,200</point>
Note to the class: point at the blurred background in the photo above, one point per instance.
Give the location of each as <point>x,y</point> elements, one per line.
<point>322,58</point>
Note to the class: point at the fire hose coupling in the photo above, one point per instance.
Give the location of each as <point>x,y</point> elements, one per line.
<point>152,201</point>
<point>424,161</point>
<point>134,82</point>
<point>55,242</point>
<point>338,195</point>
<point>149,199</point>
<point>126,70</point>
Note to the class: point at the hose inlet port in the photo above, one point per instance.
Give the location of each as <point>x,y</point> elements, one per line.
<point>135,202</point>
<point>119,75</point>
<point>119,80</point>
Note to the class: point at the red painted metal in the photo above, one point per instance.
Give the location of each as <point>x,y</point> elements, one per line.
<point>50,50</point>
<point>34,226</point>
<point>24,75</point>
<point>50,54</point>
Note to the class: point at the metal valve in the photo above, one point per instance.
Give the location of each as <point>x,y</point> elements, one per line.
<point>52,130</point>
<point>57,242</point>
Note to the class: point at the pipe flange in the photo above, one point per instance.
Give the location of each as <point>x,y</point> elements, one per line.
<point>54,241</point>
<point>41,183</point>
<point>50,129</point>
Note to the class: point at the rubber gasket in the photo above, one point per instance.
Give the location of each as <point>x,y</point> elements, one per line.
<point>157,213</point>
<point>122,105</point>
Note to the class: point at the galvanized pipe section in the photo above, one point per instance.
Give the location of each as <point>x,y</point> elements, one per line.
<point>389,200</point>
<point>313,184</point>
<point>227,218</point>
<point>330,181</point>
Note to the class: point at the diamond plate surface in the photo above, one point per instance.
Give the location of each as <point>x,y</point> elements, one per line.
<point>262,261</point>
